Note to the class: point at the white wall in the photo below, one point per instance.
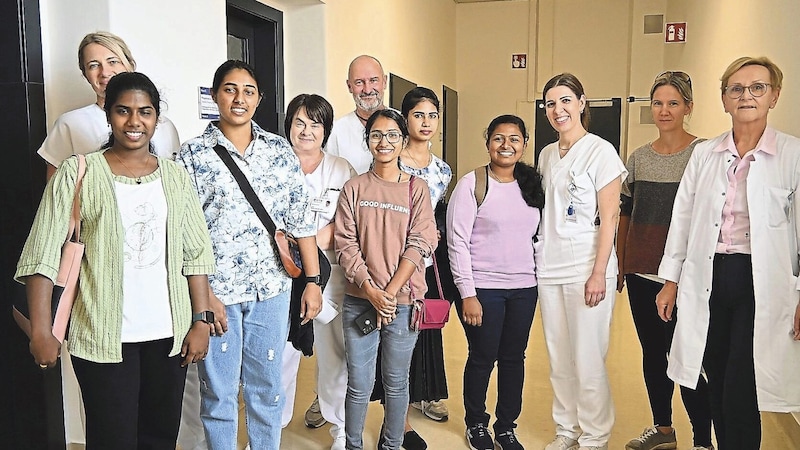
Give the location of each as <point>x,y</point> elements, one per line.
<point>487,34</point>
<point>177,43</point>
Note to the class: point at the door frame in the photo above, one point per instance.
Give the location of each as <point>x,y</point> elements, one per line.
<point>269,66</point>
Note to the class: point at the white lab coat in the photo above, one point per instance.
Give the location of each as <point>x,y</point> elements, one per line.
<point>774,207</point>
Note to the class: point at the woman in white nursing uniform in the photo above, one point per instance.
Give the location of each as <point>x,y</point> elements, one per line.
<point>101,55</point>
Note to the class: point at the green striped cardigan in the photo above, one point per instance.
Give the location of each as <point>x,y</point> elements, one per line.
<point>96,322</point>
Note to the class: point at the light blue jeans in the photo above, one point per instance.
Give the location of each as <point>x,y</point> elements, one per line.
<point>250,353</point>
<point>361,352</point>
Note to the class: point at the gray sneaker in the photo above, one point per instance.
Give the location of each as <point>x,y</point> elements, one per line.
<point>313,417</point>
<point>562,443</point>
<point>652,439</point>
<point>435,410</point>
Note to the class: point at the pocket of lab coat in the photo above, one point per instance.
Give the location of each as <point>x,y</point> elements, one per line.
<point>778,202</point>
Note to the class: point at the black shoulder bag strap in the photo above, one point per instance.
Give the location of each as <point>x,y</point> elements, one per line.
<point>249,193</point>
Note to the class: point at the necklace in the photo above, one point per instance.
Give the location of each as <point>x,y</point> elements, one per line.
<point>562,151</point>
<point>362,119</point>
<point>416,162</point>
<point>137,179</point>
<point>399,176</point>
<point>497,178</point>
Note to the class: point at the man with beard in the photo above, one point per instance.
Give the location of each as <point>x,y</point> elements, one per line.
<point>366,81</point>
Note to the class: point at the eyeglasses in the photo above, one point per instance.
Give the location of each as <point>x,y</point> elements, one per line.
<point>677,74</point>
<point>392,137</point>
<point>735,91</point>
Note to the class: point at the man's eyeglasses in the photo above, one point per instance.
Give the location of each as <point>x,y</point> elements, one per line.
<point>735,91</point>
<point>677,74</point>
<point>392,137</point>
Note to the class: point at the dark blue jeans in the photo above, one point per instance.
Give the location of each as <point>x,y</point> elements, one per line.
<point>502,338</point>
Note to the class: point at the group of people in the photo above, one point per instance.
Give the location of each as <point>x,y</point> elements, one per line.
<point>181,271</point>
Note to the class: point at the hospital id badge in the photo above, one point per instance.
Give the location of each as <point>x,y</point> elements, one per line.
<point>320,204</point>
<point>571,214</point>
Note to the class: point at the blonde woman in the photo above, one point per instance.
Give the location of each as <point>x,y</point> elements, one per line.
<point>654,171</point>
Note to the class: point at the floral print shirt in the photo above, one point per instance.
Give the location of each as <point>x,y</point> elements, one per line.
<point>437,174</point>
<point>247,267</point>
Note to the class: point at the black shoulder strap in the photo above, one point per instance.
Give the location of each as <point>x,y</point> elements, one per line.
<point>247,190</point>
<point>481,184</point>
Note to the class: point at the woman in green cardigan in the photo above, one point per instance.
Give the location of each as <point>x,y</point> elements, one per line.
<point>140,314</point>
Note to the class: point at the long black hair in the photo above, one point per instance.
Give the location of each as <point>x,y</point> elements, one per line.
<point>528,178</point>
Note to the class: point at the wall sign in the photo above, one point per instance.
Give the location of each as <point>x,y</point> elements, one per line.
<point>205,104</point>
<point>675,32</point>
<point>519,61</point>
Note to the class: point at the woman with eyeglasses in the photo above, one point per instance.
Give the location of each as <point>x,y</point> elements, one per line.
<point>577,267</point>
<point>731,262</point>
<point>491,255</point>
<point>384,230</point>
<point>654,171</point>
<point>428,383</point>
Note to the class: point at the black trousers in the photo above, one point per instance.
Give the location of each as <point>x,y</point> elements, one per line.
<point>655,335</point>
<point>135,404</point>
<point>728,359</point>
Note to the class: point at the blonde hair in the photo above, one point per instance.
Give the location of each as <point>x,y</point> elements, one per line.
<point>679,80</point>
<point>110,41</point>
<point>775,74</point>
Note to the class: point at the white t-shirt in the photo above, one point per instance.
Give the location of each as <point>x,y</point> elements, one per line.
<point>347,141</point>
<point>146,314</point>
<point>570,222</point>
<point>85,130</point>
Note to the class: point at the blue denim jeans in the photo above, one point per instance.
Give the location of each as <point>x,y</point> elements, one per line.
<point>250,353</point>
<point>501,339</point>
<point>398,342</point>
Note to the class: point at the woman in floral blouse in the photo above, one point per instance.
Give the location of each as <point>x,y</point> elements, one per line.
<point>250,291</point>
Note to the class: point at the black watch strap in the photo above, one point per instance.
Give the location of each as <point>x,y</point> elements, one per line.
<point>316,279</point>
<point>204,316</point>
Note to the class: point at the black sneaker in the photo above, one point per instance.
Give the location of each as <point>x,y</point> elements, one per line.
<point>413,441</point>
<point>479,438</point>
<point>507,440</point>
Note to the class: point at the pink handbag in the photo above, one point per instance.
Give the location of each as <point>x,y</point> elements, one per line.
<point>65,286</point>
<point>427,313</point>
<point>431,313</point>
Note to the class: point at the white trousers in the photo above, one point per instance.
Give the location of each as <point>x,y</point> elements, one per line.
<point>331,362</point>
<point>74,414</point>
<point>190,434</point>
<point>577,343</point>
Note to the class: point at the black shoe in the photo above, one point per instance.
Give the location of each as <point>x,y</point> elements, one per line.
<point>507,440</point>
<point>413,441</point>
<point>479,438</point>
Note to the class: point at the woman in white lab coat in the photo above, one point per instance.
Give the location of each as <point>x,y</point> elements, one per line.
<point>731,261</point>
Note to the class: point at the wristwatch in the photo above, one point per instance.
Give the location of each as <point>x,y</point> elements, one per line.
<point>316,279</point>
<point>204,316</point>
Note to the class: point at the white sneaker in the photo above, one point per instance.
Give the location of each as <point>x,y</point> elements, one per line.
<point>339,443</point>
<point>562,443</point>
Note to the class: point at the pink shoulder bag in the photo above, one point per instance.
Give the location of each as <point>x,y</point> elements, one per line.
<point>65,286</point>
